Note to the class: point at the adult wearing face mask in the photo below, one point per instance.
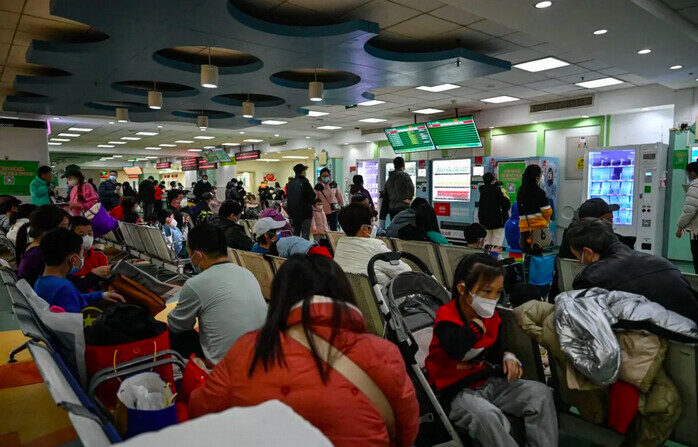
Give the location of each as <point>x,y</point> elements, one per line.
<point>464,361</point>
<point>326,190</point>
<point>176,202</point>
<point>360,245</point>
<point>96,265</point>
<point>265,232</point>
<point>109,191</point>
<point>201,187</point>
<point>82,196</point>
<point>299,201</point>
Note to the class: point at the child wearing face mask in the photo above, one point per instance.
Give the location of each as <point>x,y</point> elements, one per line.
<point>64,255</point>
<point>318,224</point>
<point>170,227</point>
<point>474,374</point>
<point>96,266</point>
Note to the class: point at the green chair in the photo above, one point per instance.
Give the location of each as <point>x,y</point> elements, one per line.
<point>366,303</point>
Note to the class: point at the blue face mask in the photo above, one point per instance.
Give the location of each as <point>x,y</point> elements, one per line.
<point>325,179</point>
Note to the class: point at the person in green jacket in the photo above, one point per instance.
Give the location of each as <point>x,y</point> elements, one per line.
<point>41,186</point>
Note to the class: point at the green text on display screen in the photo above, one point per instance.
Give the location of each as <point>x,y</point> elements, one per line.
<point>410,138</point>
<point>454,133</point>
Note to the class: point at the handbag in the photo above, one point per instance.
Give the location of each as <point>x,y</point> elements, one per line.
<point>102,222</point>
<point>539,239</point>
<point>135,293</point>
<point>333,206</point>
<point>352,372</point>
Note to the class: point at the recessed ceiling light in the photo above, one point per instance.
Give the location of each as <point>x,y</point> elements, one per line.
<point>316,113</point>
<point>54,144</point>
<point>117,142</point>
<point>209,147</point>
<point>645,109</point>
<point>153,148</point>
<point>600,32</point>
<point>70,135</point>
<point>373,102</point>
<point>500,99</point>
<point>184,141</point>
<point>274,122</point>
<point>491,127</point>
<point>131,138</point>
<point>604,82</point>
<point>329,127</point>
<point>295,157</point>
<point>204,137</point>
<point>427,111</point>
<point>80,129</point>
<point>437,88</point>
<point>60,139</point>
<point>147,134</point>
<point>105,145</point>
<point>585,116</point>
<point>112,122</point>
<point>307,138</point>
<point>117,156</point>
<point>159,127</point>
<point>644,51</point>
<point>56,117</point>
<point>545,4</point>
<point>547,63</point>
<point>268,159</point>
<point>534,122</point>
<point>242,133</point>
<point>167,145</point>
<point>372,120</point>
<point>231,144</point>
<point>151,157</point>
<point>675,67</point>
<point>253,140</point>
<point>193,150</point>
<point>276,134</point>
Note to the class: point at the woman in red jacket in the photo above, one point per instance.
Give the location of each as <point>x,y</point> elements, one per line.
<point>476,378</point>
<point>312,302</point>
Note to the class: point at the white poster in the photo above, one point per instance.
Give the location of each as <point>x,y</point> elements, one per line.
<point>450,180</point>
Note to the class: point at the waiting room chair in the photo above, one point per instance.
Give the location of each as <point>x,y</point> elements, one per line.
<point>260,268</point>
<point>424,251</point>
<point>276,262</point>
<point>450,256</point>
<point>366,302</point>
<point>682,367</point>
<point>388,242</point>
<point>233,256</point>
<point>334,237</point>
<point>568,269</point>
<point>514,339</point>
<point>692,280</point>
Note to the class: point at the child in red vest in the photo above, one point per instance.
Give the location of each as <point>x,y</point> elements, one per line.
<point>476,378</point>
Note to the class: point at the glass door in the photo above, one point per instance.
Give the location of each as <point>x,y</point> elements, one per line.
<point>612,178</point>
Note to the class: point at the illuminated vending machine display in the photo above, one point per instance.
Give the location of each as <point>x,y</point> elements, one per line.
<point>612,178</point>
<point>370,170</point>
<point>450,180</point>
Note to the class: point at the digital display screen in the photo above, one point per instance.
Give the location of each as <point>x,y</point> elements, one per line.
<point>190,164</point>
<point>450,180</point>
<point>368,169</point>
<point>205,164</point>
<point>165,165</point>
<point>216,155</point>
<point>410,138</point>
<point>133,170</point>
<point>454,133</point>
<point>612,178</point>
<point>247,155</point>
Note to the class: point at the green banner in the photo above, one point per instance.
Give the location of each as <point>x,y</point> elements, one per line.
<point>15,176</point>
<point>680,158</point>
<point>509,173</point>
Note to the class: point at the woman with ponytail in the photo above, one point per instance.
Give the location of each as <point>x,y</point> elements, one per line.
<point>30,260</point>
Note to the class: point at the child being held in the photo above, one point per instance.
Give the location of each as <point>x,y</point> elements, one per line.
<point>318,225</point>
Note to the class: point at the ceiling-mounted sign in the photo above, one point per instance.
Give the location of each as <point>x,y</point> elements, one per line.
<point>190,164</point>
<point>247,155</point>
<point>164,165</point>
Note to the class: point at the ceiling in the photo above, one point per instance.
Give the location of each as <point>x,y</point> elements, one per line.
<point>378,49</point>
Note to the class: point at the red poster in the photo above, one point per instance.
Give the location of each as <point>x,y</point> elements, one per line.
<point>442,209</point>
<point>478,161</point>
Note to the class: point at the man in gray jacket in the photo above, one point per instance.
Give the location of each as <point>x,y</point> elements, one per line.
<point>399,189</point>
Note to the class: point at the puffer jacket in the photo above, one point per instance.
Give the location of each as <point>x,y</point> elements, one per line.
<point>689,215</point>
<point>584,322</point>
<point>344,414</point>
<point>402,220</point>
<point>329,196</point>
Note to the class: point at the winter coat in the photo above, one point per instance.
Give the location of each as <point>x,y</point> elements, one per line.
<point>293,245</point>
<point>534,210</point>
<point>297,383</point>
<point>493,211</point>
<point>353,253</point>
<point>86,199</point>
<point>651,276</point>
<point>146,191</point>
<point>511,229</point>
<point>402,220</point>
<point>399,189</point>
<point>689,215</point>
<point>329,196</point>
<point>299,199</point>
<point>235,236</point>
<point>108,195</point>
<point>39,189</point>
<point>319,223</point>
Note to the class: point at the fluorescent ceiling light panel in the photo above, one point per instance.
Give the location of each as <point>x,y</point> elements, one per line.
<point>268,159</point>
<point>329,127</point>
<point>193,150</point>
<point>372,120</point>
<point>373,102</point>
<point>116,156</point>
<point>545,4</point>
<point>167,145</point>
<point>60,139</point>
<point>253,140</point>
<point>600,32</point>
<point>184,141</point>
<point>131,138</point>
<point>151,157</point>
<point>295,157</point>
<point>105,145</point>
<point>117,142</point>
<point>500,99</point>
<point>437,88</point>
<point>204,137</point>
<point>675,67</point>
<point>231,144</point>
<point>70,135</point>
<point>80,129</point>
<point>209,147</point>
<point>54,144</point>
<point>274,122</point>
<point>427,111</point>
<point>316,113</point>
<point>147,134</point>
<point>596,83</point>
<point>153,148</point>
<point>547,63</point>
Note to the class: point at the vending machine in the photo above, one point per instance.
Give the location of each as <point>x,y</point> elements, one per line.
<point>371,170</point>
<point>453,196</point>
<point>634,178</point>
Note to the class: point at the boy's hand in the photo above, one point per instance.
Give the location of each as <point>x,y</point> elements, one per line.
<point>103,271</point>
<point>114,297</point>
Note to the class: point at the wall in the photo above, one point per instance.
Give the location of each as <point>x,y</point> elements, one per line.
<point>514,145</point>
<point>282,170</point>
<point>643,127</point>
<point>22,140</point>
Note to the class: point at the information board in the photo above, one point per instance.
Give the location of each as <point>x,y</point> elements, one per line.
<point>216,155</point>
<point>454,133</point>
<point>410,138</point>
<point>247,155</point>
<point>509,173</point>
<point>15,176</point>
<point>190,164</point>
<point>450,180</point>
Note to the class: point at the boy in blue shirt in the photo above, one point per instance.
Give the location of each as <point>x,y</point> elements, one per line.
<point>64,254</point>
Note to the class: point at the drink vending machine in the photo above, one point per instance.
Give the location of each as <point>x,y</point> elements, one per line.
<point>634,178</point>
<point>371,170</point>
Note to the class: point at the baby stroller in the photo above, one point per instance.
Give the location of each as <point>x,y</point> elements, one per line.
<point>408,304</point>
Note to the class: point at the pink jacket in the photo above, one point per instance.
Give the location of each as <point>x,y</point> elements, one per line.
<point>329,196</point>
<point>319,223</point>
<point>338,409</point>
<point>89,198</point>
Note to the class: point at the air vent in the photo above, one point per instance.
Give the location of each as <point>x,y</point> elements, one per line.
<point>585,101</point>
<point>277,143</point>
<point>372,131</point>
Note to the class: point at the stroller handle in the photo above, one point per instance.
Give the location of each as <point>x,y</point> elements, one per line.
<point>394,256</point>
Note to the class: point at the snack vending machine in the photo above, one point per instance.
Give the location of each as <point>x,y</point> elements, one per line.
<point>634,178</point>
<point>373,180</point>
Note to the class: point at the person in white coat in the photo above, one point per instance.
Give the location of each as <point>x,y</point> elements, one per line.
<point>360,245</point>
<point>688,222</point>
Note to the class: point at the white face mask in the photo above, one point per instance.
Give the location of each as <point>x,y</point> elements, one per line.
<point>173,223</point>
<point>374,231</point>
<point>72,182</point>
<point>87,241</point>
<point>184,203</point>
<point>482,306</point>
<point>138,209</point>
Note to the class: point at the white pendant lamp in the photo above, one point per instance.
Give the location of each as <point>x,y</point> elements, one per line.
<point>202,122</point>
<point>122,115</point>
<point>315,89</point>
<point>155,100</point>
<point>209,73</point>
<point>248,109</point>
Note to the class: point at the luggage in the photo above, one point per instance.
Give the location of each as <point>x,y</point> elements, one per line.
<point>135,293</point>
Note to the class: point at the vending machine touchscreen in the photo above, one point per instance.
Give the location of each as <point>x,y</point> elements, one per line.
<point>612,178</point>
<point>370,169</point>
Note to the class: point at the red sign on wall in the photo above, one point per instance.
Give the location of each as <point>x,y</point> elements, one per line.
<point>442,209</point>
